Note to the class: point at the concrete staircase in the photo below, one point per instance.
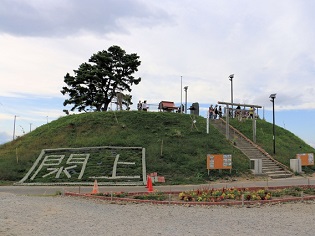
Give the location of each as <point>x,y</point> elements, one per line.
<point>270,166</point>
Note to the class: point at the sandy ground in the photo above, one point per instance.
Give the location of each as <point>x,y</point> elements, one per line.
<point>33,215</point>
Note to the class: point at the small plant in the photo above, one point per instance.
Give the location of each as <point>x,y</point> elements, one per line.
<point>58,193</point>
<point>309,191</point>
<point>277,193</point>
<point>199,176</point>
<point>158,196</point>
<point>176,133</point>
<point>113,194</point>
<point>120,194</point>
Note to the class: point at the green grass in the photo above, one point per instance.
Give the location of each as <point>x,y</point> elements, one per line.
<point>174,148</point>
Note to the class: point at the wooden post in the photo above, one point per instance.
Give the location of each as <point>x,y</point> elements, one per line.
<point>227,122</point>
<point>16,154</point>
<point>161,148</point>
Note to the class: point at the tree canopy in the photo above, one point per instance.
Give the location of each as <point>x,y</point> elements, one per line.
<point>95,84</point>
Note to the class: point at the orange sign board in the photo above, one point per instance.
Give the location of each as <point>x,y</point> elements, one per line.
<point>307,159</point>
<point>219,161</point>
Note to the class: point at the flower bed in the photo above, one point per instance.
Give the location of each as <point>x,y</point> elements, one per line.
<point>247,194</point>
<point>207,196</point>
<point>217,195</point>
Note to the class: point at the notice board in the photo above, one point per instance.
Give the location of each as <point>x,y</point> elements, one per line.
<point>219,161</point>
<point>307,159</point>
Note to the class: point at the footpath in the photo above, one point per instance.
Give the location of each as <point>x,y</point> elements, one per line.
<point>263,183</point>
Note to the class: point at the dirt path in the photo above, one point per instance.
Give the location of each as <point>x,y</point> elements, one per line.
<point>30,215</point>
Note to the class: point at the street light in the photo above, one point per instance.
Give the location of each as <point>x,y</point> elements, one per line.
<point>273,96</point>
<point>186,88</point>
<point>14,126</point>
<point>181,94</point>
<point>231,79</point>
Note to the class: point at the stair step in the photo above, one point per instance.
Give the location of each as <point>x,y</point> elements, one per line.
<point>269,164</point>
<point>279,176</point>
<point>275,172</point>
<point>271,168</point>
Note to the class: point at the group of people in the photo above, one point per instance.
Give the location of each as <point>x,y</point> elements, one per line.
<point>215,112</point>
<point>240,114</point>
<point>142,106</point>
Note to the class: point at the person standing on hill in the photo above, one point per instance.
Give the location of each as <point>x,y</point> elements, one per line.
<point>211,111</point>
<point>238,112</point>
<point>251,113</point>
<point>216,112</point>
<point>144,106</point>
<point>220,112</point>
<point>139,106</point>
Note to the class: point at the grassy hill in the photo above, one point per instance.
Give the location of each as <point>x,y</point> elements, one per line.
<point>174,148</point>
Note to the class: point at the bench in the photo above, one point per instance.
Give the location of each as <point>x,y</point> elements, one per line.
<point>167,106</point>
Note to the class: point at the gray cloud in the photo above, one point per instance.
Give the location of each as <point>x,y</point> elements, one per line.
<point>63,18</point>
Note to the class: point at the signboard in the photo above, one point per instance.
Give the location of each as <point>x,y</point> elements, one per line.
<point>219,161</point>
<point>307,159</point>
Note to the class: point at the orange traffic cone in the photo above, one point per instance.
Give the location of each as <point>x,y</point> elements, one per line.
<point>149,184</point>
<point>95,188</point>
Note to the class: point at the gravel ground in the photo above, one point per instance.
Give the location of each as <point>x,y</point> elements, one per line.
<point>30,215</point>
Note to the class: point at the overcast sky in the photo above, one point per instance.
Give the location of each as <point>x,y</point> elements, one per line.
<point>268,45</point>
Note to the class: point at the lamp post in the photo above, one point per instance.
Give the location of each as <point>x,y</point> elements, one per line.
<point>14,127</point>
<point>231,79</point>
<point>186,88</point>
<point>273,96</point>
<point>181,94</point>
